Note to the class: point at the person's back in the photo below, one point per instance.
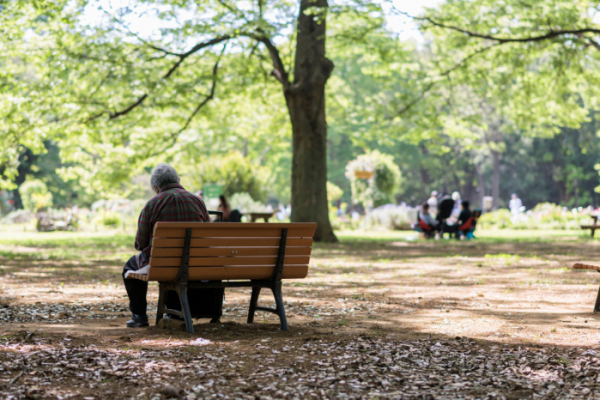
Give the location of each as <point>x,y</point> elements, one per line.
<point>465,214</point>
<point>432,202</point>
<point>172,203</point>
<point>445,206</point>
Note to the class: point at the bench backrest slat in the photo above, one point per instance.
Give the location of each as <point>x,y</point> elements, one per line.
<point>230,251</point>
<point>240,230</point>
<point>218,261</point>
<point>225,242</point>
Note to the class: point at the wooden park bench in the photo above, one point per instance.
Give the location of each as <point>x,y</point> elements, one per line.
<point>592,227</point>
<point>189,255</point>
<point>595,268</point>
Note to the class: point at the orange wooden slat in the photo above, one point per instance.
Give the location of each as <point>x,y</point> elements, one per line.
<point>230,251</point>
<point>586,266</point>
<point>217,261</point>
<point>235,225</point>
<point>225,242</point>
<point>224,273</point>
<point>256,232</point>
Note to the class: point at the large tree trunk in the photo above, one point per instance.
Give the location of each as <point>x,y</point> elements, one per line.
<point>495,179</point>
<point>306,105</point>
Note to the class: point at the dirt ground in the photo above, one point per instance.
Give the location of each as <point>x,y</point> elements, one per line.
<point>374,320</point>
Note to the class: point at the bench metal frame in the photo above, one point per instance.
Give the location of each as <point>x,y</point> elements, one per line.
<point>182,283</point>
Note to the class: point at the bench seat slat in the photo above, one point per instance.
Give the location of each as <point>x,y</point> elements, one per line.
<point>229,233</point>
<point>224,273</point>
<point>229,251</point>
<point>235,242</point>
<point>218,261</point>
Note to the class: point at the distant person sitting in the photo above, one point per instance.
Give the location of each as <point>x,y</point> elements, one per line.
<point>225,208</point>
<point>445,207</point>
<point>515,204</point>
<point>457,202</point>
<point>427,223</point>
<point>433,203</point>
<point>466,223</point>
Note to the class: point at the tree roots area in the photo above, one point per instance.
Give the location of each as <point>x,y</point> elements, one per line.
<point>500,317</point>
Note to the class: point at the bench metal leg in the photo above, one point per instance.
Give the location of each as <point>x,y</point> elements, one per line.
<point>597,305</point>
<point>185,307</point>
<point>253,303</point>
<point>161,302</point>
<point>279,310</point>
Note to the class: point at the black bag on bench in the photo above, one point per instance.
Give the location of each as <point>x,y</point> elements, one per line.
<point>204,303</point>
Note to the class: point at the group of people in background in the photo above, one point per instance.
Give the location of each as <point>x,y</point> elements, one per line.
<point>443,213</point>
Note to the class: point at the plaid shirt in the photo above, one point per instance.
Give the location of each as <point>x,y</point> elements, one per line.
<point>174,204</point>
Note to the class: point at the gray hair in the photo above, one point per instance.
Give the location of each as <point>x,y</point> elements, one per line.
<point>163,175</point>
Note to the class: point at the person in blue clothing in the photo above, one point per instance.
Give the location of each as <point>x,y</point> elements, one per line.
<point>427,224</point>
<point>465,223</point>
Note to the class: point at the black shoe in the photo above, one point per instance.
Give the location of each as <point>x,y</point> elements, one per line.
<point>137,321</point>
<point>171,316</point>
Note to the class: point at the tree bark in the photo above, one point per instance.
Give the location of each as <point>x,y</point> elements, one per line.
<point>495,179</point>
<point>305,100</point>
<point>480,185</point>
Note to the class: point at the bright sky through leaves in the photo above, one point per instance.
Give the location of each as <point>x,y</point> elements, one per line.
<point>145,23</point>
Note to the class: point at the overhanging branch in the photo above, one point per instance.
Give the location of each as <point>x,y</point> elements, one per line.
<point>182,57</point>
<point>548,35</point>
<point>445,73</point>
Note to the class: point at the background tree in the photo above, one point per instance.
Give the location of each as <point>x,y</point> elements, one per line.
<point>136,95</point>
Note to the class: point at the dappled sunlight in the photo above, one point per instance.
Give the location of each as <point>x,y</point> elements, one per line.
<point>430,302</point>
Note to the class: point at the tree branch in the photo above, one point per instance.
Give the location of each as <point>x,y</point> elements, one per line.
<point>549,35</point>
<point>206,99</point>
<point>182,57</point>
<point>594,43</point>
<point>279,71</point>
<point>446,73</point>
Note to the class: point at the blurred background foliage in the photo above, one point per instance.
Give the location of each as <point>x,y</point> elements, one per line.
<point>450,113</point>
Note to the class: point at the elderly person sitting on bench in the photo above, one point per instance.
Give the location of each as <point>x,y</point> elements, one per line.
<point>172,203</point>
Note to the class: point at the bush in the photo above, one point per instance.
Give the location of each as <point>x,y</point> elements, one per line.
<point>545,216</point>
<point>390,216</point>
<point>18,217</point>
<point>334,193</point>
<point>35,195</point>
<point>108,218</point>
<point>245,203</point>
<point>381,186</point>
<point>236,173</point>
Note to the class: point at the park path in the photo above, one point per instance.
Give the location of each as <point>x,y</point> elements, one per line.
<point>373,320</point>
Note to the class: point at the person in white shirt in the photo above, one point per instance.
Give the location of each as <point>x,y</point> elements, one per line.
<point>515,204</point>
<point>432,202</point>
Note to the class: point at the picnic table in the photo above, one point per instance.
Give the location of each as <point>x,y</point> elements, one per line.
<point>594,226</point>
<point>264,216</point>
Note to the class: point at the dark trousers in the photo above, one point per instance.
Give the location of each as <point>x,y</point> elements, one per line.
<point>137,290</point>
